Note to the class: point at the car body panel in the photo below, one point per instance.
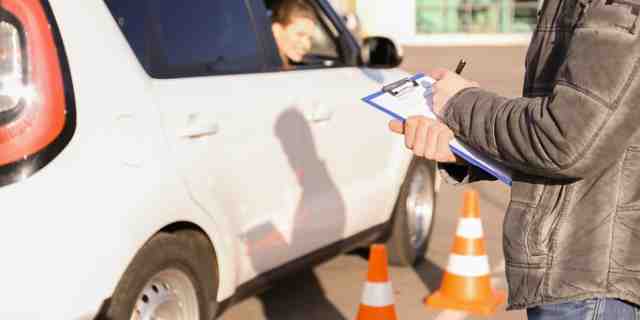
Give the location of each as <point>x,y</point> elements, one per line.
<point>74,226</point>
<point>81,219</point>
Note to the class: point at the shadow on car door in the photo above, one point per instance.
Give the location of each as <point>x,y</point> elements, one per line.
<point>312,226</point>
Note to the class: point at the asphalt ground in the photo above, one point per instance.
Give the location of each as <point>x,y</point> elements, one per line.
<point>333,290</point>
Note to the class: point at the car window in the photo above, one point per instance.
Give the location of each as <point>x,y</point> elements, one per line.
<point>322,50</point>
<point>190,37</point>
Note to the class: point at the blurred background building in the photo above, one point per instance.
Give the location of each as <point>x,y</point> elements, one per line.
<point>407,20</point>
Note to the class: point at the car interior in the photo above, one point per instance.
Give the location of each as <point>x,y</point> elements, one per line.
<point>324,50</point>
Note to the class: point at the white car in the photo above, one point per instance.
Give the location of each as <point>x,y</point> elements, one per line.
<point>156,162</point>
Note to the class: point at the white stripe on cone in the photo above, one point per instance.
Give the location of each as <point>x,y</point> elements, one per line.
<point>451,315</point>
<point>470,228</point>
<point>377,294</point>
<point>468,266</point>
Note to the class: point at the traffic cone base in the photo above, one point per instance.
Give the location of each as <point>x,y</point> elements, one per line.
<point>466,284</point>
<point>479,307</point>
<point>376,313</point>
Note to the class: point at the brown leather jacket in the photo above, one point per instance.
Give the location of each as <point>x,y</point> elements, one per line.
<point>572,229</point>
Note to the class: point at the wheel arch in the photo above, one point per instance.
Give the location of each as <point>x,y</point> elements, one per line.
<point>225,262</point>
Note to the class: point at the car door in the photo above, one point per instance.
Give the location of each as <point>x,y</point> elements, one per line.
<point>360,157</point>
<point>232,127</point>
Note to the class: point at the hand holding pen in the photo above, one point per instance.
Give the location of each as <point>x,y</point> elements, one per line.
<point>447,85</point>
<point>427,137</point>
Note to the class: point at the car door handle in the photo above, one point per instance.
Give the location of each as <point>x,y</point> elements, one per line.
<point>196,128</point>
<point>197,131</point>
<point>321,113</point>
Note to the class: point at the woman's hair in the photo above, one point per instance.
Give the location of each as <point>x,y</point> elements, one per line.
<point>285,10</point>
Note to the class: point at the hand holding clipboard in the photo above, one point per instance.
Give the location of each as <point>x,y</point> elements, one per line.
<point>406,97</point>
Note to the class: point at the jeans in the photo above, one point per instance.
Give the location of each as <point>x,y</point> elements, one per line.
<point>591,309</point>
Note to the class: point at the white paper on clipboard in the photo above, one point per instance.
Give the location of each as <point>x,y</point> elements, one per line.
<point>412,96</point>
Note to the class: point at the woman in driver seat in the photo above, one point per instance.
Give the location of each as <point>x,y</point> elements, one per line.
<point>293,23</point>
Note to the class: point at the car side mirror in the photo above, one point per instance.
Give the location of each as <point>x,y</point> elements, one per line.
<point>381,52</point>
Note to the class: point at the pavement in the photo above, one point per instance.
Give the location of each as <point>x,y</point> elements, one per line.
<point>333,290</point>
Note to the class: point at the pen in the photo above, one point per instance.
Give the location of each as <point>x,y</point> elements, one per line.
<point>460,66</point>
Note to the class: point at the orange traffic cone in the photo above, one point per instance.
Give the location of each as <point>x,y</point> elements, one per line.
<point>377,298</point>
<point>466,284</point>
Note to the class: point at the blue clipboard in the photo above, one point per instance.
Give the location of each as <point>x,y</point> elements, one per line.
<point>411,96</point>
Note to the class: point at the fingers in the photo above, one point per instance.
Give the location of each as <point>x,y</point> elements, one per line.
<point>432,141</point>
<point>410,127</point>
<point>396,126</point>
<point>426,138</point>
<point>422,136</point>
<point>439,99</point>
<point>443,151</point>
<point>438,74</point>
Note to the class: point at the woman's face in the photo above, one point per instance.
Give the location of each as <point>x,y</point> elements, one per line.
<point>294,39</point>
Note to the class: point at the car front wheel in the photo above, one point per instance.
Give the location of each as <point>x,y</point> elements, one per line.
<point>173,276</point>
<point>413,215</point>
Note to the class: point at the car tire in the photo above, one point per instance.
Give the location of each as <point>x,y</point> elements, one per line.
<point>413,216</point>
<point>173,276</point>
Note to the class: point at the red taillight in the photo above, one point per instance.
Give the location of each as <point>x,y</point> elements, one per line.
<point>32,98</point>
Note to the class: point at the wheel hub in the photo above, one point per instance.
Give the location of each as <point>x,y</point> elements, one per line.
<point>419,204</point>
<point>169,295</point>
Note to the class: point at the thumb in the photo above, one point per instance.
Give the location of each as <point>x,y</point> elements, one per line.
<point>438,74</point>
<point>396,126</point>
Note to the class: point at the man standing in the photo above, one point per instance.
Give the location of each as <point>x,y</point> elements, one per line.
<point>573,140</point>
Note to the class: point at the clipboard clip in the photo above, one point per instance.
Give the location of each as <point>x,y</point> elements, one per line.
<point>400,86</point>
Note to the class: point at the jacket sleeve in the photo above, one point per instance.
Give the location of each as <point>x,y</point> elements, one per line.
<point>585,123</point>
